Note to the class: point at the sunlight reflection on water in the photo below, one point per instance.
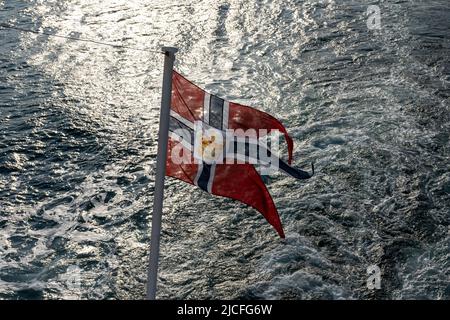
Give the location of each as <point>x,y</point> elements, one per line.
<point>78,139</point>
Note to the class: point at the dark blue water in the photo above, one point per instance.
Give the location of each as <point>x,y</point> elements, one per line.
<point>78,130</point>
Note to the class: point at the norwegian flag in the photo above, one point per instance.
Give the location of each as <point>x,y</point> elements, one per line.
<point>240,181</point>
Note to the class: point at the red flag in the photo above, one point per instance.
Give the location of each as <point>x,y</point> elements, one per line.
<point>190,104</point>
<point>188,101</point>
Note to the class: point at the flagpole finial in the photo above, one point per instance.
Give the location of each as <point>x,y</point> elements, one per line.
<point>172,50</point>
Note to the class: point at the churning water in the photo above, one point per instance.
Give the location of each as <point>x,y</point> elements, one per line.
<point>78,130</point>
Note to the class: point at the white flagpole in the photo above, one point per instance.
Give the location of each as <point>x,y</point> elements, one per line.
<point>160,170</point>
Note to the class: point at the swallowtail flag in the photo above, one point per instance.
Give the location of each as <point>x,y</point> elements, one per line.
<point>198,120</point>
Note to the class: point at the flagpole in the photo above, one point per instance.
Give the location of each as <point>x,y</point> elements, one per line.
<point>164,120</point>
